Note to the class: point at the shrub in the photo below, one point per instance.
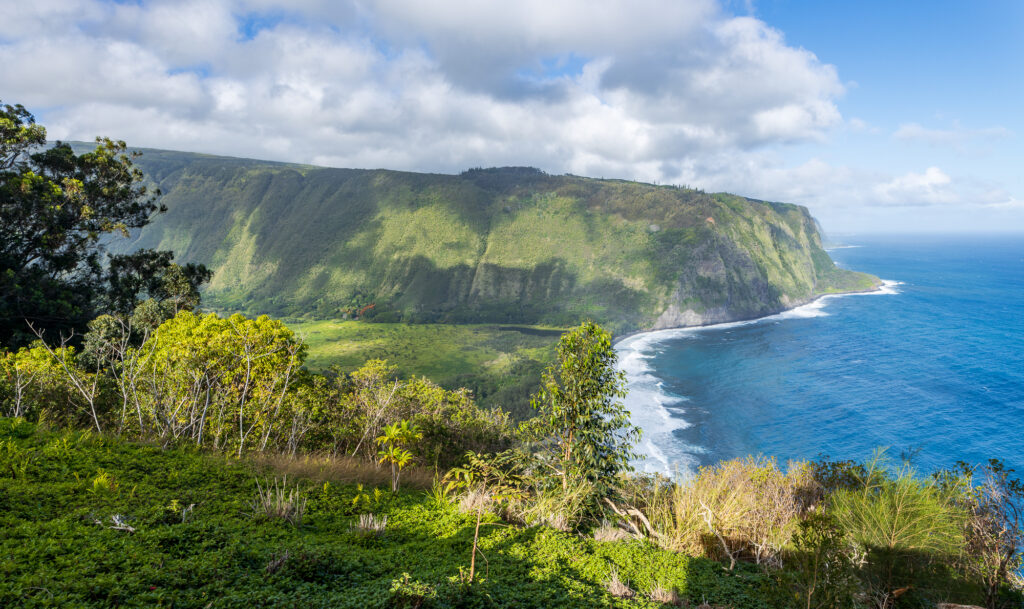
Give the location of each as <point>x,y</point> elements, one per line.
<point>739,508</point>
<point>905,531</point>
<point>819,572</point>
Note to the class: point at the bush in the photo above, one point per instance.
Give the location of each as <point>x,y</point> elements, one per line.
<point>905,531</point>
<point>744,508</point>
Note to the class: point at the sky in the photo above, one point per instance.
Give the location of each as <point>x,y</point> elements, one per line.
<point>879,116</point>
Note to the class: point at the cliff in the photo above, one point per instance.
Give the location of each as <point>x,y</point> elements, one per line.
<point>489,245</point>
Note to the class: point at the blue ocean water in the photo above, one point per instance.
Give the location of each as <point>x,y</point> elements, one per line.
<point>931,367</point>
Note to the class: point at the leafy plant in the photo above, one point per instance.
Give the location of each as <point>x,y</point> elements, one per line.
<point>393,452</point>
<point>104,483</point>
<point>491,478</point>
<point>584,431</point>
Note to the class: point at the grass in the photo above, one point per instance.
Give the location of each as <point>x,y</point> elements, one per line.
<point>500,363</point>
<point>193,543</point>
<point>437,351</point>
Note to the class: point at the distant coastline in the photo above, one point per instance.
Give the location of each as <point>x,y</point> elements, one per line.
<point>880,287</point>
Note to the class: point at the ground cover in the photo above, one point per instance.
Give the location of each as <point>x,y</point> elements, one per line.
<point>91,521</point>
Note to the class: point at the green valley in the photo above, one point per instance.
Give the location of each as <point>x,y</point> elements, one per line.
<point>501,364</point>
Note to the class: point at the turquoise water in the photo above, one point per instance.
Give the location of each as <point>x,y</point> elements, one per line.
<point>932,367</point>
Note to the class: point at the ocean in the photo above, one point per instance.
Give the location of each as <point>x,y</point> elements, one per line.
<point>931,367</point>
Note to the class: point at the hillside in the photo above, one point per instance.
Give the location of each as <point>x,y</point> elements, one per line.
<point>489,245</point>
<point>196,539</point>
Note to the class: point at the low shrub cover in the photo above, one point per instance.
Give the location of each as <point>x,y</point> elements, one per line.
<point>195,542</point>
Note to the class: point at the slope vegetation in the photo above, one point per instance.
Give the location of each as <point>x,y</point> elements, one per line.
<point>508,245</point>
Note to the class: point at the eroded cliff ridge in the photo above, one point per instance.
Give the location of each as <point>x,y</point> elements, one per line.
<point>488,245</point>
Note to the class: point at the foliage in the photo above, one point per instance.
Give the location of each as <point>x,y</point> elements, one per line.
<point>586,433</point>
<point>742,508</point>
<point>994,501</point>
<point>392,451</point>
<point>501,365</point>
<point>56,211</point>
<point>506,248</point>
<point>820,573</point>
<point>905,531</point>
<point>221,555</point>
<point>492,480</point>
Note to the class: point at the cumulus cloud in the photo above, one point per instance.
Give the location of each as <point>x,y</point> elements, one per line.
<point>655,90</point>
<point>929,188</point>
<point>637,89</point>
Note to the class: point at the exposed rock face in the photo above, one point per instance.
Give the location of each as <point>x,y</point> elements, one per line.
<point>500,245</point>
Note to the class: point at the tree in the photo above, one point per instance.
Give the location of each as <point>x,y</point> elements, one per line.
<point>393,450</point>
<point>495,479</point>
<point>57,209</point>
<point>587,432</point>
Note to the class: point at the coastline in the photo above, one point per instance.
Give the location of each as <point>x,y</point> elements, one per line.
<point>877,289</point>
<point>657,411</point>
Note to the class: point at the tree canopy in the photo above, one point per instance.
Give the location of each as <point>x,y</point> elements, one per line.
<point>57,209</point>
<point>587,429</point>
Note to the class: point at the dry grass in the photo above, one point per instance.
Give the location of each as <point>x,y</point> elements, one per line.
<point>341,470</point>
<point>610,532</point>
<point>744,508</point>
<point>275,501</point>
<point>617,587</point>
<point>371,524</point>
<point>475,501</point>
<point>664,595</point>
<point>561,510</point>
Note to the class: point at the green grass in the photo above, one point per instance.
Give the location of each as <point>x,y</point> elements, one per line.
<point>501,364</point>
<point>437,351</point>
<point>54,554</point>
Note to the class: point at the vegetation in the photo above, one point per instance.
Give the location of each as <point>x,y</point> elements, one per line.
<point>58,209</point>
<point>203,389</point>
<point>170,457</point>
<point>195,540</point>
<point>500,364</point>
<point>511,245</point>
<point>589,434</point>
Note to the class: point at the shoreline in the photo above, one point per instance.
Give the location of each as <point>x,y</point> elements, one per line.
<point>878,288</point>
<point>653,407</point>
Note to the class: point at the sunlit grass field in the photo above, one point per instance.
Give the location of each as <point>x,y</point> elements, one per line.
<point>500,363</point>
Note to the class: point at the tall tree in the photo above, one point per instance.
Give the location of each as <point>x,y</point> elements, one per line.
<point>56,209</point>
<point>586,429</point>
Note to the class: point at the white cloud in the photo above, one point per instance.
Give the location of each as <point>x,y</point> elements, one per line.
<point>656,90</point>
<point>619,88</point>
<point>928,188</point>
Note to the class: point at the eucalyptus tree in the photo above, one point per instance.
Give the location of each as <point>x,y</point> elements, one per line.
<point>582,424</point>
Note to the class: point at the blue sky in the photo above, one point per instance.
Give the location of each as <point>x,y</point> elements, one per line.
<point>879,116</point>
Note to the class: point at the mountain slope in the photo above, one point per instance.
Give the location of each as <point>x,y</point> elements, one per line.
<point>491,245</point>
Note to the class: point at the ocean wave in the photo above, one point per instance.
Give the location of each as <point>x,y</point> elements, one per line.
<point>659,413</point>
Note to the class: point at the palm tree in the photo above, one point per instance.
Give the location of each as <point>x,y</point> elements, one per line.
<point>395,436</point>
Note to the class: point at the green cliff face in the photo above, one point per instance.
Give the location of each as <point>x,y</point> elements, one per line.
<point>493,245</point>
